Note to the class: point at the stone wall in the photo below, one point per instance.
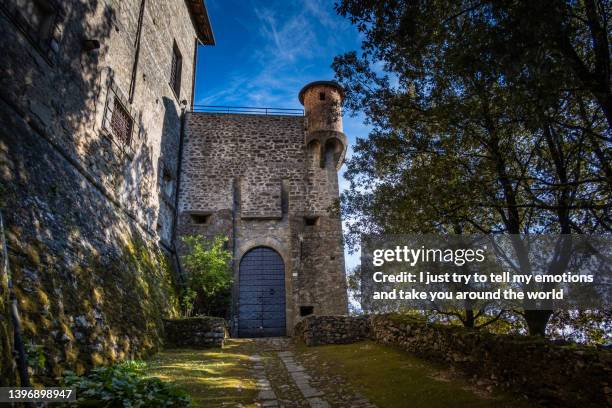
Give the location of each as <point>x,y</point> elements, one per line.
<point>548,373</point>
<point>198,331</point>
<point>253,178</point>
<point>90,282</point>
<point>88,216</point>
<point>319,330</point>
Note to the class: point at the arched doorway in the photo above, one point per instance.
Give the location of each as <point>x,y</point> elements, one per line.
<point>261,299</point>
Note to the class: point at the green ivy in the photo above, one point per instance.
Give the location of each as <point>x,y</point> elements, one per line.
<point>123,385</point>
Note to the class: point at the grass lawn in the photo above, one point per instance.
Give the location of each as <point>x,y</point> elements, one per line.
<point>213,377</point>
<point>389,377</point>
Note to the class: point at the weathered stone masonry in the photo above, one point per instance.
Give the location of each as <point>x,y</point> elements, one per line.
<point>90,136</point>
<point>548,373</point>
<point>89,215</point>
<point>269,181</point>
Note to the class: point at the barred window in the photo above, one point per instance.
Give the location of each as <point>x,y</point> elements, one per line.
<point>121,123</point>
<point>118,120</point>
<point>175,70</point>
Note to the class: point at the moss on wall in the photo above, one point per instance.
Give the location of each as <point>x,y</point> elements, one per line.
<point>101,310</point>
<point>7,371</point>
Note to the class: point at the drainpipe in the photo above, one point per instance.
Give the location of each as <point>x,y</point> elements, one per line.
<point>137,52</point>
<point>194,71</point>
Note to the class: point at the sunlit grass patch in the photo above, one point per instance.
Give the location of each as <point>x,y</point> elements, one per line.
<point>389,377</point>
<point>213,377</point>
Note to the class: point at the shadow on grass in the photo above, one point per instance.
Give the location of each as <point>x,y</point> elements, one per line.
<point>213,377</point>
<point>390,378</point>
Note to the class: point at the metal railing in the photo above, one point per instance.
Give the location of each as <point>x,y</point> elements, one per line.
<point>248,110</point>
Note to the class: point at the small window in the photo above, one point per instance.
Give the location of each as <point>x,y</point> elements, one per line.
<point>118,122</point>
<point>175,71</point>
<point>167,182</point>
<point>167,175</point>
<point>37,15</point>
<point>200,219</point>
<point>121,123</point>
<point>321,96</point>
<point>36,19</point>
<point>306,310</point>
<point>311,221</point>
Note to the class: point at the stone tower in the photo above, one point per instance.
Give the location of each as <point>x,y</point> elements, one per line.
<point>322,102</point>
<point>267,182</point>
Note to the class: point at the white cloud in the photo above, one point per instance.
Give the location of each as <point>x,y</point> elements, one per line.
<point>292,43</point>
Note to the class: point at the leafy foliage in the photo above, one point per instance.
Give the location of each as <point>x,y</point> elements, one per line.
<point>188,296</point>
<point>35,354</point>
<point>488,116</point>
<point>209,275</point>
<point>582,326</point>
<point>122,385</point>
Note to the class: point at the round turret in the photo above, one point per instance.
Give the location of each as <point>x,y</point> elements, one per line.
<point>322,102</point>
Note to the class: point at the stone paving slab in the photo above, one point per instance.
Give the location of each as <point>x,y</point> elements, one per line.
<point>292,368</point>
<point>318,403</point>
<point>283,381</point>
<point>266,395</point>
<point>302,380</point>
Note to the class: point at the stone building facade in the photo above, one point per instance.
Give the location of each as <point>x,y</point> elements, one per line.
<point>94,102</point>
<point>267,182</point>
<point>91,99</point>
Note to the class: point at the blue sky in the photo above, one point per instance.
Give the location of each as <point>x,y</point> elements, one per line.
<point>266,50</point>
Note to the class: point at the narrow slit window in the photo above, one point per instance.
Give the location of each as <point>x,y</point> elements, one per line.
<point>321,96</point>
<point>37,20</point>
<point>200,219</point>
<point>167,182</point>
<point>311,221</point>
<point>175,71</point>
<point>306,310</point>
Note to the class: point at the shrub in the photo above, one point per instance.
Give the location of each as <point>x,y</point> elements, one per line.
<point>207,263</point>
<point>122,385</point>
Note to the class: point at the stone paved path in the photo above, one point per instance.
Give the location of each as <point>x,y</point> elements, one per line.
<point>283,381</point>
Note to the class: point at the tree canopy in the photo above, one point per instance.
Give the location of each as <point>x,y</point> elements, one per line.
<point>488,116</point>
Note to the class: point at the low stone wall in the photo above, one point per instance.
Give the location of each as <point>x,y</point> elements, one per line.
<point>547,373</point>
<point>317,330</point>
<point>200,331</point>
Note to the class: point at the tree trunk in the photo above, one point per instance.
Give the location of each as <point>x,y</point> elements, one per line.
<point>470,320</point>
<point>537,320</point>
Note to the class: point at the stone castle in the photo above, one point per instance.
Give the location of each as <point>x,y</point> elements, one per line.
<point>104,165</point>
<point>267,182</point>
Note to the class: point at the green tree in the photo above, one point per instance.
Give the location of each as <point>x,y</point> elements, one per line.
<point>481,124</point>
<point>207,264</point>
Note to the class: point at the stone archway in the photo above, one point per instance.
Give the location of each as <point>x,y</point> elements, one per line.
<point>261,294</point>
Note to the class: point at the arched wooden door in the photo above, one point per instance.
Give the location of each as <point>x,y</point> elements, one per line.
<point>261,300</point>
